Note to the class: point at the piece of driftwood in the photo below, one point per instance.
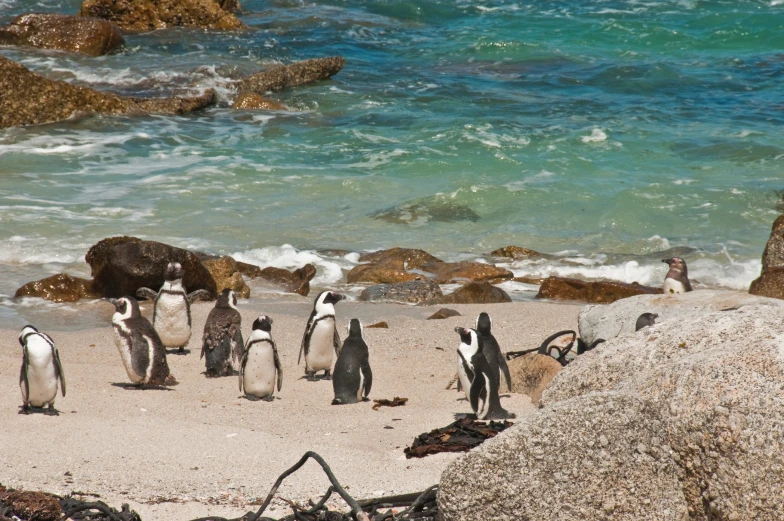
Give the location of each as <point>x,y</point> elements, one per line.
<point>394,402</point>
<point>460,436</point>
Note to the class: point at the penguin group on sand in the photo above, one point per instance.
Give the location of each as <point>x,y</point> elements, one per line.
<point>481,365</point>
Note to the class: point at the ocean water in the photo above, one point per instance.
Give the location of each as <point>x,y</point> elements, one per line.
<point>609,133</point>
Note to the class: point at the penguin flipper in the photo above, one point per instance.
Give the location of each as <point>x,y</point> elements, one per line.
<point>278,367</point>
<point>146,293</point>
<point>58,369</point>
<point>459,385</point>
<point>367,378</point>
<point>199,294</point>
<point>505,369</point>
<point>23,375</point>
<point>242,367</point>
<point>304,347</point>
<point>236,336</point>
<point>477,386</point>
<point>336,342</point>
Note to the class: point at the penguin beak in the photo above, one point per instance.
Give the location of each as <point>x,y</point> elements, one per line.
<point>459,330</point>
<point>269,319</point>
<point>115,302</point>
<point>338,296</point>
<point>667,261</point>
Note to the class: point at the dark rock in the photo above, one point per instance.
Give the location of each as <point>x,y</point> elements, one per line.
<point>253,101</point>
<point>59,288</point>
<point>444,313</point>
<point>473,293</point>
<point>121,265</point>
<point>532,373</point>
<point>379,325</point>
<point>515,252</point>
<point>297,281</point>
<point>287,76</point>
<point>599,292</point>
<point>412,292</point>
<point>446,272</point>
<point>400,258</point>
<point>29,99</point>
<point>377,274</point>
<point>148,15</point>
<point>771,281</point>
<point>62,32</point>
<point>529,280</point>
<point>226,273</point>
<point>429,210</point>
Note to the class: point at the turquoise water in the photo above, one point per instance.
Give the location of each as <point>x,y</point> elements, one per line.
<point>604,132</point>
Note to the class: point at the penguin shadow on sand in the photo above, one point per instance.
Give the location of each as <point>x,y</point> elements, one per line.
<point>146,387</point>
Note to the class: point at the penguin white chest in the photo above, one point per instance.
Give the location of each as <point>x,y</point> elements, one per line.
<point>673,286</point>
<point>465,381</point>
<point>124,347</point>
<point>321,346</point>
<point>41,374</point>
<point>171,319</point>
<point>260,373</point>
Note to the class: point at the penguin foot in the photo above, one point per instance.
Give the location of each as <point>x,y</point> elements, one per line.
<point>327,376</point>
<point>51,411</point>
<point>269,398</point>
<point>25,409</point>
<point>311,377</point>
<point>251,398</point>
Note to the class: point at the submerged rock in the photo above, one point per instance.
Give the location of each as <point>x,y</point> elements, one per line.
<point>59,288</point>
<point>472,293</point>
<point>148,15</point>
<point>515,252</point>
<point>429,210</point>
<point>770,283</point>
<point>400,258</point>
<point>446,272</point>
<point>253,101</point>
<point>600,291</point>
<point>411,292</point>
<point>287,76</point>
<point>62,32</point>
<point>27,98</point>
<point>226,273</point>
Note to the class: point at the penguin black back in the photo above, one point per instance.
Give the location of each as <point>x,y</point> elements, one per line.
<point>352,378</point>
<point>491,349</point>
<point>222,343</point>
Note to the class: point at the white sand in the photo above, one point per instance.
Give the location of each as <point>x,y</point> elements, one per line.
<point>212,452</point>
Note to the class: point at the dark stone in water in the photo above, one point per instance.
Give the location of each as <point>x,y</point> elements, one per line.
<point>59,288</point>
<point>413,292</point>
<point>400,258</point>
<point>148,15</point>
<point>431,210</point>
<point>287,76</point>
<point>62,32</point>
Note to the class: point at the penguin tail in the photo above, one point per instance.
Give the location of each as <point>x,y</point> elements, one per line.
<point>170,381</point>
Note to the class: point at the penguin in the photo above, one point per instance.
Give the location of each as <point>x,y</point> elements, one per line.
<point>41,369</point>
<point>677,279</point>
<point>479,380</point>
<point>321,336</point>
<point>172,315</point>
<point>222,341</point>
<point>491,349</point>
<point>260,366</point>
<point>645,320</point>
<point>353,377</point>
<point>141,349</point>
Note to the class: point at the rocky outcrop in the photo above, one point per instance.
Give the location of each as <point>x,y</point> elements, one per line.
<point>287,76</point>
<point>27,98</point>
<point>446,272</point>
<point>679,421</point>
<point>400,258</point>
<point>121,265</point>
<point>148,15</point>
<point>253,101</point>
<point>227,275</point>
<point>444,313</point>
<point>771,281</point>
<point>297,281</point>
<point>390,266</point>
<point>532,373</point>
<point>379,274</point>
<point>620,318</point>
<point>515,252</point>
<point>472,293</point>
<point>59,288</point>
<point>599,292</point>
<point>62,32</point>
<point>412,292</point>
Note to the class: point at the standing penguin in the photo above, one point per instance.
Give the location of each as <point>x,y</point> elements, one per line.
<point>677,279</point>
<point>321,336</point>
<point>353,377</point>
<point>479,381</point>
<point>222,340</point>
<point>491,349</point>
<point>40,371</point>
<point>172,315</point>
<point>260,364</point>
<point>141,349</point>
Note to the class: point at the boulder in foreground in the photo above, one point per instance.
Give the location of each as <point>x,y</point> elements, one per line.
<point>148,15</point>
<point>61,32</point>
<point>599,292</point>
<point>770,283</point>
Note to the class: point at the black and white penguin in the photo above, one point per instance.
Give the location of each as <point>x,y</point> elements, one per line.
<point>491,349</point>
<point>141,349</point>
<point>222,341</point>
<point>172,315</point>
<point>321,336</point>
<point>260,367</point>
<point>478,379</point>
<point>353,378</point>
<point>41,369</point>
<point>645,320</point>
<point>677,279</point>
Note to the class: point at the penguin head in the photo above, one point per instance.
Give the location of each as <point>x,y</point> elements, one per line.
<point>484,323</point>
<point>470,339</point>
<point>326,300</point>
<point>26,331</point>
<point>676,263</point>
<point>227,299</point>
<point>645,320</point>
<point>263,323</point>
<point>127,307</point>
<point>174,271</point>
<point>355,328</point>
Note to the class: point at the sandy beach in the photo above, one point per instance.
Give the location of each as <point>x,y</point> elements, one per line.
<point>200,449</point>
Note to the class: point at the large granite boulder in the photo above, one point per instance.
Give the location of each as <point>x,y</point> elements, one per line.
<point>771,281</point>
<point>27,98</point>
<point>599,292</point>
<point>472,293</point>
<point>620,318</point>
<point>681,421</point>
<point>412,292</point>
<point>148,15</point>
<point>287,76</point>
<point>227,275</point>
<point>121,265</point>
<point>64,33</point>
<point>59,288</point>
